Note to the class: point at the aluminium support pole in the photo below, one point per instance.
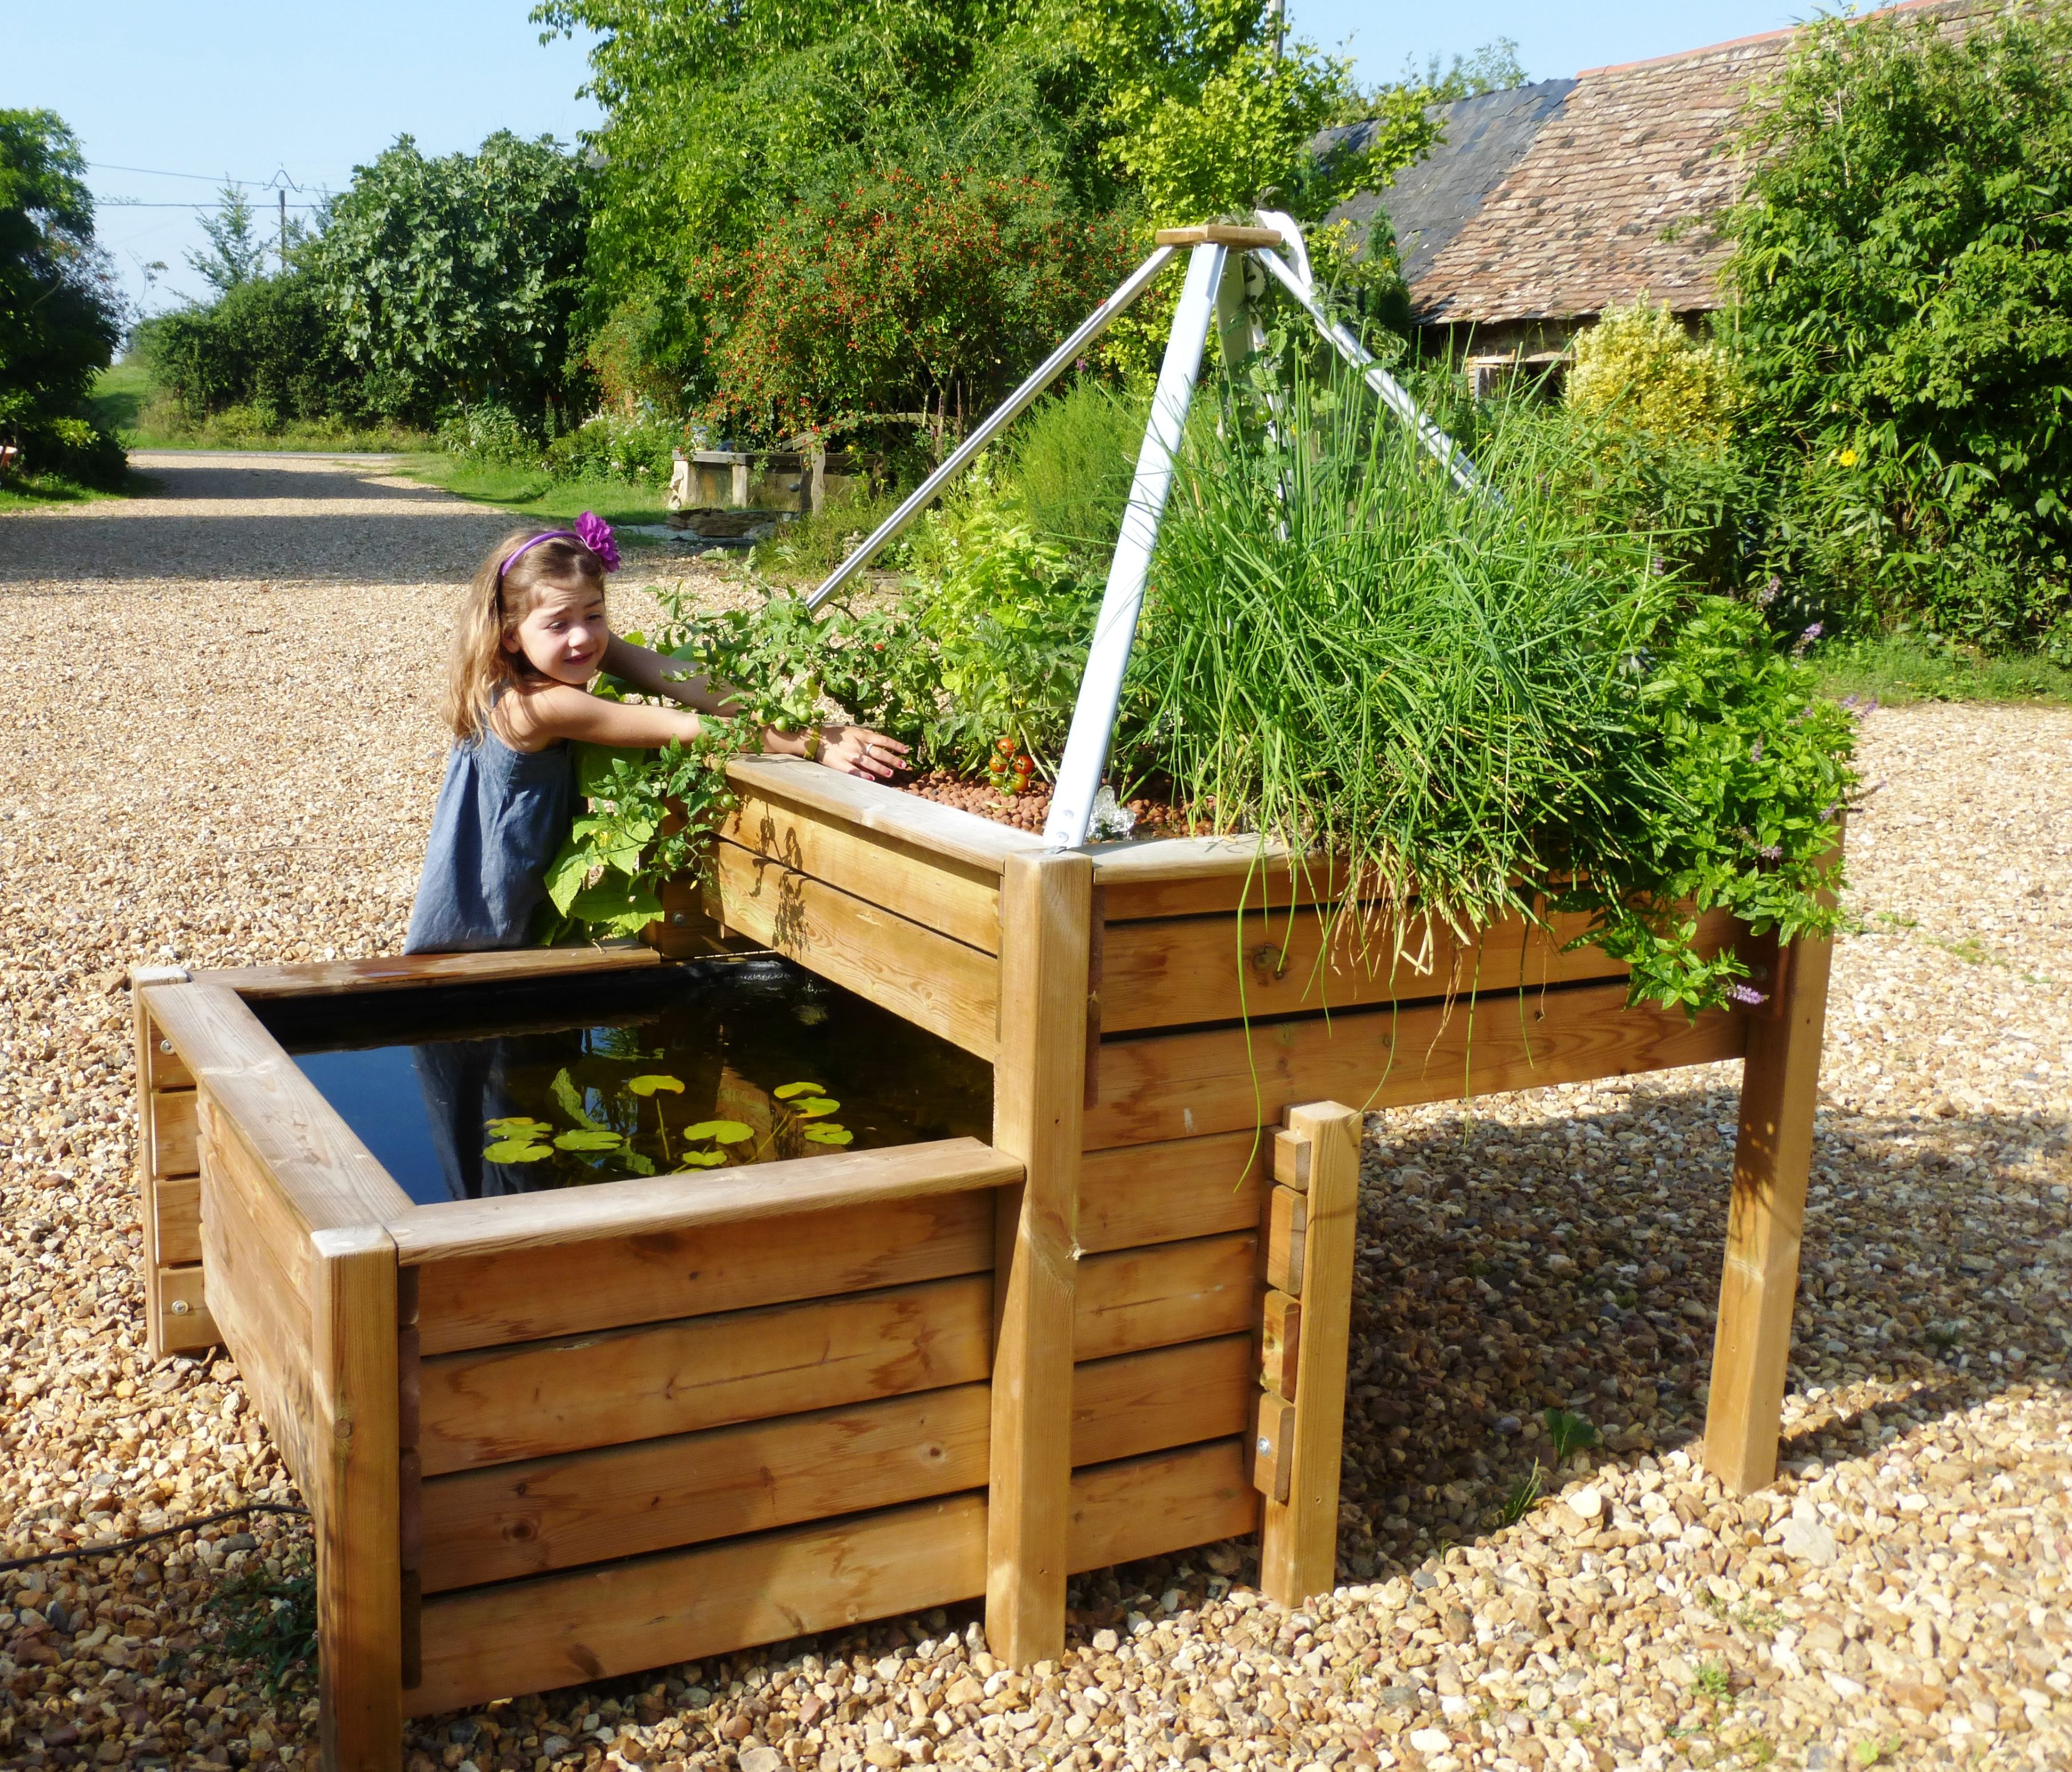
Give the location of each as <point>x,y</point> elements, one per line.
<point>1047,372</point>
<point>1100,688</point>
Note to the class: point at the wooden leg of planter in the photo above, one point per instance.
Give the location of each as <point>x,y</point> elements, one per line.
<point>1318,1159</point>
<point>1772,1158</point>
<point>1039,1080</point>
<point>356,1500</point>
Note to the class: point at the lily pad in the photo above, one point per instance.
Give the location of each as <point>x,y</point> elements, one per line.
<point>813,1107</point>
<point>517,1126</point>
<point>515,1150</point>
<point>646,1086</point>
<point>589,1138</point>
<point>727,1132</point>
<point>703,1159</point>
<point>784,1091</point>
<point>829,1134</point>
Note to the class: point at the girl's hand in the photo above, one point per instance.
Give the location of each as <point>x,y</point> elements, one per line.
<point>856,751</point>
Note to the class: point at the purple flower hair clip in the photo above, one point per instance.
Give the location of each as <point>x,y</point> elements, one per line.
<point>591,530</point>
<point>594,533</point>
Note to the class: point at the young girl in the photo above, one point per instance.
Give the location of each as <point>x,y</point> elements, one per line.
<point>532,637</point>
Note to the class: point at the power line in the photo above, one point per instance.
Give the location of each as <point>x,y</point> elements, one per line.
<point>131,202</point>
<point>209,178</point>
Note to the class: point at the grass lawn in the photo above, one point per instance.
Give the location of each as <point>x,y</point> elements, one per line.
<point>120,393</point>
<point>1900,670</point>
<point>532,493</point>
<point>124,400</point>
<point>42,491</point>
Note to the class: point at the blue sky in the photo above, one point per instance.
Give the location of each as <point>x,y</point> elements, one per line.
<point>308,91</point>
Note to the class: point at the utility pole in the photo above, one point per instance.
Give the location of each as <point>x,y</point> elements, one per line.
<point>1277,10</point>
<point>284,230</point>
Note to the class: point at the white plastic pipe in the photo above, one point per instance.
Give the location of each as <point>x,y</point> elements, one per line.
<point>1047,372</point>
<point>1100,689</point>
<point>1392,393</point>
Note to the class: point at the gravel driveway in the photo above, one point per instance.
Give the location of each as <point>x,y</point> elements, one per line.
<point>225,752</point>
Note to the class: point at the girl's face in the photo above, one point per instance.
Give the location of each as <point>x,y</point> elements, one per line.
<point>563,636</point>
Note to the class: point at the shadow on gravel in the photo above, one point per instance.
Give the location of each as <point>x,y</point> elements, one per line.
<point>357,547</point>
<point>231,480</point>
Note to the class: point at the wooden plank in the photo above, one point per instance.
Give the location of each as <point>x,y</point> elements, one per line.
<point>943,985</point>
<point>159,1065</point>
<point>545,1514</point>
<point>529,1294</point>
<point>1039,1088</point>
<point>175,1220</point>
<point>1272,1445</point>
<point>1299,1536</point>
<point>1169,1501</point>
<point>703,1200</point>
<point>1164,1397</point>
<point>592,1624</point>
<point>407,972</point>
<point>262,1317</point>
<point>1217,233</point>
<point>172,1124</point>
<point>870,806</point>
<point>1189,1187</point>
<point>354,1490</point>
<point>1170,972</point>
<point>541,1397</point>
<point>182,1321</point>
<point>1280,1344</point>
<point>296,1135</point>
<point>1291,1161</point>
<point>1184,876</point>
<point>230,1166</point>
<point>1765,1220</point>
<point>1174,1292</point>
<point>1287,1236</point>
<point>1157,1087</point>
<point>955,898</point>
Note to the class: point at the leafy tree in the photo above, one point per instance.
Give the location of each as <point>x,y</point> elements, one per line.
<point>235,253</point>
<point>60,314</point>
<point>455,279</point>
<point>1903,263</point>
<point>902,295</point>
<point>268,343</point>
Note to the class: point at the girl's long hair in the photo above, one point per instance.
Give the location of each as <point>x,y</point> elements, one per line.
<point>479,668</point>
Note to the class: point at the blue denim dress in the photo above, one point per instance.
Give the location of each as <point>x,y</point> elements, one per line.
<point>502,815</point>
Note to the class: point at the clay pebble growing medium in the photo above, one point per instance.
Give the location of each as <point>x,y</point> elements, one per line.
<point>224,753</point>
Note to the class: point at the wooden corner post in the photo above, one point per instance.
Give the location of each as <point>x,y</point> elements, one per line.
<point>1773,1156</point>
<point>1039,1082</point>
<point>1312,1219</point>
<point>356,1499</point>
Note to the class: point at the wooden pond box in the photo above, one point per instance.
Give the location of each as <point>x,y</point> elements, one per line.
<point>563,1436</point>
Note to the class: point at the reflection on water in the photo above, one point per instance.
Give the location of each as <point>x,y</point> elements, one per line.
<point>469,1089</point>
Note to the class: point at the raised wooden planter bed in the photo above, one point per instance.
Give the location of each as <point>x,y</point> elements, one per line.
<point>559,1436</point>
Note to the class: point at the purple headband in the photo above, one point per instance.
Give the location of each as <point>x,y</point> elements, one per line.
<point>591,530</point>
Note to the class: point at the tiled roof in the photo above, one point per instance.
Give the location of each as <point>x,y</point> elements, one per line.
<point>1552,201</point>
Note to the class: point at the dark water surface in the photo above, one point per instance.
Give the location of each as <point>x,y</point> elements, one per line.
<point>570,1081</point>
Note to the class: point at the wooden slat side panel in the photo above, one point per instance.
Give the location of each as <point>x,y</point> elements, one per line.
<point>542,1398</point>
<point>175,1220</point>
<point>545,1514</point>
<point>955,897</point>
<point>1190,1187</point>
<point>533,1294</point>
<point>1160,1087</point>
<point>232,1168</point>
<point>869,806</point>
<point>588,1624</point>
<point>318,1160</point>
<point>1175,1292</point>
<point>1169,1501</point>
<point>1191,876</point>
<point>406,972</point>
<point>1173,971</point>
<point>1168,1396</point>
<point>949,989</point>
<point>451,1229</point>
<point>262,1319</point>
<point>182,1321</point>
<point>172,1128</point>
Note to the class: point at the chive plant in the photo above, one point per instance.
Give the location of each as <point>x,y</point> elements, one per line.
<point>1478,707</point>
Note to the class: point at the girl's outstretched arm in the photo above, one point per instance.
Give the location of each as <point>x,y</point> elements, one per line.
<point>651,674</point>
<point>561,710</point>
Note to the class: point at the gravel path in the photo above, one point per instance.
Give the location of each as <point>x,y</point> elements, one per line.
<point>224,752</point>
